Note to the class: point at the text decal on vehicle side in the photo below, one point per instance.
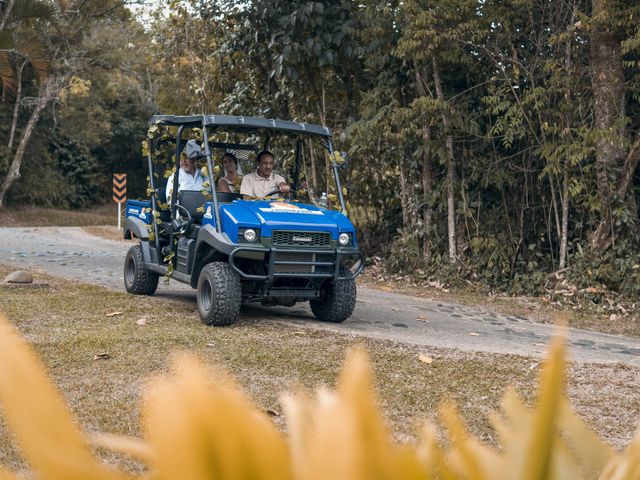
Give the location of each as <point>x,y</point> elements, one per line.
<point>281,207</point>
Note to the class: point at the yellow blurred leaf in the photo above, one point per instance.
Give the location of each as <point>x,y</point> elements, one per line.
<point>592,452</point>
<point>200,427</point>
<point>542,434</point>
<point>34,411</point>
<point>131,447</point>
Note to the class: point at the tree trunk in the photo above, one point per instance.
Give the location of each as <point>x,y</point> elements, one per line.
<point>564,236</point>
<point>5,15</point>
<point>427,169</point>
<point>564,199</point>
<point>16,107</point>
<point>607,79</point>
<point>14,169</point>
<point>427,191</point>
<point>451,174</point>
<point>554,203</point>
<point>406,196</point>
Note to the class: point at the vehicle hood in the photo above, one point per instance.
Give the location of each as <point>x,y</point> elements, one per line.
<point>279,215</point>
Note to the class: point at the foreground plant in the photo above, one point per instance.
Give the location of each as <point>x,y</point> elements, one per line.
<point>198,425</point>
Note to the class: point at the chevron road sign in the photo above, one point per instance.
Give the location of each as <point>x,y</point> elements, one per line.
<point>119,187</point>
<point>119,192</point>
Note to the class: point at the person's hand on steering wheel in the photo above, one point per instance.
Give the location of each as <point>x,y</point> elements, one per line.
<point>284,188</point>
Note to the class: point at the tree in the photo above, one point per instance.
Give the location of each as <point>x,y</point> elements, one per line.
<point>19,43</point>
<point>99,83</point>
<point>432,43</point>
<point>617,152</point>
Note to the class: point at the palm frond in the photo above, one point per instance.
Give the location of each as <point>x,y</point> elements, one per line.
<point>35,53</point>
<point>31,9</point>
<point>7,76</point>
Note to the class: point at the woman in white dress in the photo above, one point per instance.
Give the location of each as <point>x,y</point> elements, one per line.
<point>232,174</point>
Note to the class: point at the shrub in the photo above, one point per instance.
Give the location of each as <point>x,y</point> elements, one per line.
<point>196,428</point>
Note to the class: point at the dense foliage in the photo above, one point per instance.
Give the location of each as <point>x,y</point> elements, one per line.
<point>492,141</point>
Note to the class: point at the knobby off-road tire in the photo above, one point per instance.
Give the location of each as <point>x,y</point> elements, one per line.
<point>136,279</point>
<point>219,294</point>
<point>336,302</point>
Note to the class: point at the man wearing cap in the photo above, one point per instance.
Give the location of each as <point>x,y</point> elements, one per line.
<point>189,177</point>
<point>263,181</point>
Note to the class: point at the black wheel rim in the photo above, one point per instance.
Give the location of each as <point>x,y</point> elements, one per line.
<point>130,273</point>
<point>206,296</point>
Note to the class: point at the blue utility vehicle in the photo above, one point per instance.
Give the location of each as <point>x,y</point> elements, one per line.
<point>277,251</point>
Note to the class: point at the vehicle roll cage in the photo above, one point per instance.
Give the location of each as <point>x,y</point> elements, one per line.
<point>237,124</point>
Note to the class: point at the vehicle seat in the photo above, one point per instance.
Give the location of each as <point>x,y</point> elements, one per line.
<point>227,197</point>
<point>192,200</point>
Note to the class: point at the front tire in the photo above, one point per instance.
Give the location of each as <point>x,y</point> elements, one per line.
<point>219,294</point>
<point>137,280</point>
<point>337,301</point>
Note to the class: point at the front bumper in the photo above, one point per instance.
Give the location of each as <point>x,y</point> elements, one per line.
<point>338,264</point>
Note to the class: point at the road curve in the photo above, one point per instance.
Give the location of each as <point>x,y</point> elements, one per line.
<point>71,252</point>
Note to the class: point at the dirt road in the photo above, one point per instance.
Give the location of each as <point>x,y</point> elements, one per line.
<point>71,252</point>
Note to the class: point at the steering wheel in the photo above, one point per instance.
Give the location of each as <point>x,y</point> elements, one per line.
<point>179,225</point>
<point>277,190</point>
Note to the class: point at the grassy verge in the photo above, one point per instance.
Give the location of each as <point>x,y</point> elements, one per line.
<point>106,214</point>
<point>68,325</point>
<point>609,318</point>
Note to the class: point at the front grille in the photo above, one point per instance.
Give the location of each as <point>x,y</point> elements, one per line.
<point>284,238</point>
<point>316,260</point>
<point>293,257</point>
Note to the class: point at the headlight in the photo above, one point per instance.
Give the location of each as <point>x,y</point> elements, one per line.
<point>344,239</point>
<point>250,235</point>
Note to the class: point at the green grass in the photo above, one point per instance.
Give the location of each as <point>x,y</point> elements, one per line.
<point>67,325</point>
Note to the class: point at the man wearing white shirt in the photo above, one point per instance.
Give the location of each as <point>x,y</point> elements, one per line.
<point>189,177</point>
<point>263,181</point>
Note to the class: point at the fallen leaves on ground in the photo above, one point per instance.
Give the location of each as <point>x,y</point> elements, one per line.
<point>113,314</point>
<point>101,356</point>
<point>425,359</point>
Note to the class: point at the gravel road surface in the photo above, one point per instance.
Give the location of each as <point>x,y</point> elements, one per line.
<point>71,252</point>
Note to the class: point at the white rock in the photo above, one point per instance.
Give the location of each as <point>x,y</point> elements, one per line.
<point>19,276</point>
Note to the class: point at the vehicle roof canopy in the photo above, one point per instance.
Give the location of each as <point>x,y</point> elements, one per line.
<point>238,123</point>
